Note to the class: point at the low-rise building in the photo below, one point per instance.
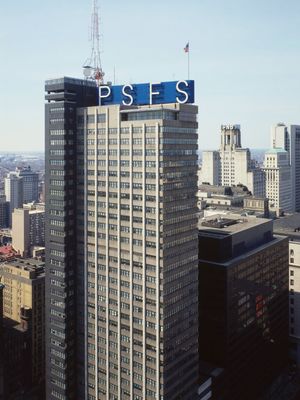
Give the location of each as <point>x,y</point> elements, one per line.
<point>24,321</point>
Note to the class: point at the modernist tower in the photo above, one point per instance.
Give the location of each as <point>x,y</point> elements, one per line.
<point>122,247</point>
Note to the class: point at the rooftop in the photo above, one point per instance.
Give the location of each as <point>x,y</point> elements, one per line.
<point>231,223</point>
<point>276,150</point>
<point>27,264</point>
<point>288,225</point>
<point>66,79</point>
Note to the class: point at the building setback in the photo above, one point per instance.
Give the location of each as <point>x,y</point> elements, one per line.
<point>122,247</point>
<point>243,302</point>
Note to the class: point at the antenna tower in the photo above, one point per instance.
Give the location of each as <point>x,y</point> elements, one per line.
<point>92,67</point>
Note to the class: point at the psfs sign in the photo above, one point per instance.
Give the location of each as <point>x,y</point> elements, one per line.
<point>147,93</point>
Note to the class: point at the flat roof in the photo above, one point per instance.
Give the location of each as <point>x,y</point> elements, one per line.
<point>230,223</point>
<point>288,225</point>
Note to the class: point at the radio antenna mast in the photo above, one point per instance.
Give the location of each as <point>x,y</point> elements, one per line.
<point>92,68</point>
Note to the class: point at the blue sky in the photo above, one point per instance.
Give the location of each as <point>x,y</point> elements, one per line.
<point>244,56</point>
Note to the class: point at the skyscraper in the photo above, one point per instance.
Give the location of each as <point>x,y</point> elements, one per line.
<point>287,137</point>
<point>122,246</point>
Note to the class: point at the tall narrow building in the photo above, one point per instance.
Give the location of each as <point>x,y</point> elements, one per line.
<point>277,170</point>
<point>122,244</point>
<point>287,137</point>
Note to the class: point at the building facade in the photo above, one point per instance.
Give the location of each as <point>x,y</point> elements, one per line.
<point>243,302</point>
<point>127,177</point>
<point>290,226</point>
<point>278,178</point>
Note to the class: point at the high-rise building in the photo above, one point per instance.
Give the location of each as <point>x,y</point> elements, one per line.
<point>13,186</point>
<point>232,164</point>
<point>30,181</point>
<point>277,171</point>
<point>122,246</point>
<point>28,228</point>
<point>287,137</point>
<point>243,302</point>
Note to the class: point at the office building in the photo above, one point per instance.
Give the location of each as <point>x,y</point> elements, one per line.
<point>232,164</point>
<point>277,171</point>
<point>13,186</point>
<point>243,302</point>
<point>24,322</point>
<point>290,226</point>
<point>121,234</point>
<point>287,137</point>
<point>30,181</point>
<point>28,228</point>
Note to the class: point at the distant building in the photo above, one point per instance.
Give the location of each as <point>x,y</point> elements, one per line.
<point>28,228</point>
<point>278,180</point>
<point>30,181</point>
<point>222,196</point>
<point>232,164</point>
<point>290,226</point>
<point>13,186</point>
<point>288,138</point>
<point>243,302</point>
<point>256,204</point>
<point>3,212</point>
<point>21,186</point>
<point>24,323</point>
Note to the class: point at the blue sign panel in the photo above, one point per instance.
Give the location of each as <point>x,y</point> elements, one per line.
<point>147,93</point>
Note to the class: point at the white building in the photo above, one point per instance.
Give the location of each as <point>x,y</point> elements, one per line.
<point>13,187</point>
<point>288,138</point>
<point>232,164</point>
<point>278,179</point>
<point>290,226</point>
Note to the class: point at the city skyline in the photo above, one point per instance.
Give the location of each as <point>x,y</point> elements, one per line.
<point>242,63</point>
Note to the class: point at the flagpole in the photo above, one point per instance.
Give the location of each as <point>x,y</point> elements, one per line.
<point>189,61</point>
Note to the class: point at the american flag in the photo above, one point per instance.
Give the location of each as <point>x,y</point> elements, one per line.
<point>187,48</point>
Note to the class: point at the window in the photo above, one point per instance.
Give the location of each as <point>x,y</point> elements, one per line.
<point>292,282</point>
